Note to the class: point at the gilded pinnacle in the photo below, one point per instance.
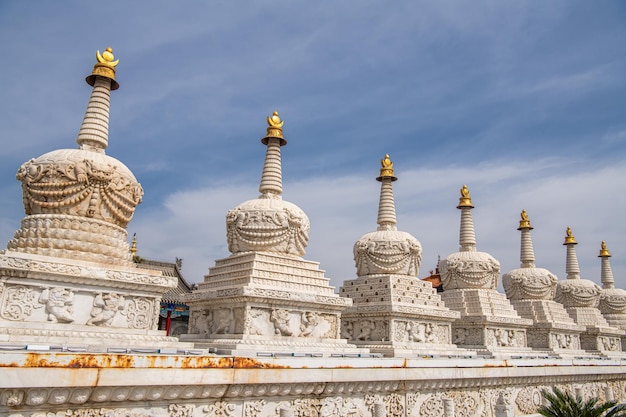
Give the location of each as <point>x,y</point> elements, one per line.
<point>105,67</point>
<point>465,200</point>
<point>386,170</point>
<point>274,129</point>
<point>524,223</point>
<point>569,237</point>
<point>604,252</point>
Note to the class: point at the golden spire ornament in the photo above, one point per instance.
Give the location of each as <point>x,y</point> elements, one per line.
<point>274,129</point>
<point>465,200</point>
<point>569,237</point>
<point>105,67</point>
<point>604,252</point>
<point>386,169</point>
<point>524,223</point>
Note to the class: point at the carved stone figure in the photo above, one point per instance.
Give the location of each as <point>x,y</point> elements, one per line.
<point>105,307</point>
<point>366,328</point>
<point>223,319</point>
<point>280,319</point>
<point>309,322</point>
<point>58,302</point>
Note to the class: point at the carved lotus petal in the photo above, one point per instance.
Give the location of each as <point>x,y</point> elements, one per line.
<point>577,293</point>
<point>267,225</point>
<point>529,284</point>
<point>469,270</point>
<point>613,300</point>
<point>387,252</point>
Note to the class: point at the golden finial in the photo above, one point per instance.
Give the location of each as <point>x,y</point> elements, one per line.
<point>133,246</point>
<point>105,67</point>
<point>274,129</point>
<point>604,252</point>
<point>569,237</point>
<point>524,223</point>
<point>386,169</point>
<point>465,200</point>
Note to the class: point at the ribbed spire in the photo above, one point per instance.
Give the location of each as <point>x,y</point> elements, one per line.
<point>607,273</point>
<point>571,262</point>
<point>272,177</point>
<point>467,237</point>
<point>94,131</point>
<point>527,253</point>
<point>386,205</point>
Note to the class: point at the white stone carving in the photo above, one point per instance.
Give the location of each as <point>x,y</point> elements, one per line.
<point>267,224</point>
<point>18,303</point>
<point>105,307</point>
<point>58,302</point>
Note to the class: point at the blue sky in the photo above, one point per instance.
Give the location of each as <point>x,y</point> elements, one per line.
<point>525,102</point>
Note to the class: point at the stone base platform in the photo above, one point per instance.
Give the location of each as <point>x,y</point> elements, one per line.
<point>62,302</point>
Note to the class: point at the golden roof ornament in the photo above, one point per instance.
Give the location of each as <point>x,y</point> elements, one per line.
<point>604,252</point>
<point>569,237</point>
<point>105,67</point>
<point>524,223</point>
<point>386,169</point>
<point>274,129</point>
<point>133,245</point>
<point>465,200</point>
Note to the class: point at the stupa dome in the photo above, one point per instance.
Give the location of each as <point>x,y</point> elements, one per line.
<point>80,182</point>
<point>528,282</point>
<point>267,223</point>
<point>387,250</point>
<point>612,300</point>
<point>468,268</point>
<point>78,202</point>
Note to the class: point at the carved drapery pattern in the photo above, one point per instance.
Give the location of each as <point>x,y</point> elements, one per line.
<point>529,284</point>
<point>577,293</point>
<point>18,303</point>
<point>387,252</point>
<point>613,301</point>
<point>469,270</point>
<point>77,183</point>
<point>267,224</point>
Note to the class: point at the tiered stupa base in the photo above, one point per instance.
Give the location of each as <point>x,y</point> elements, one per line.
<point>62,303</point>
<point>488,323</point>
<point>599,337</point>
<point>553,331</point>
<point>263,303</point>
<point>398,316</point>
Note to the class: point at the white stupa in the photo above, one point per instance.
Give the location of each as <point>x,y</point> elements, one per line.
<point>531,291</point>
<point>394,312</point>
<point>612,300</point>
<point>489,324</point>
<point>264,297</point>
<point>69,275</point>
<point>581,298</point>
<point>612,303</point>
